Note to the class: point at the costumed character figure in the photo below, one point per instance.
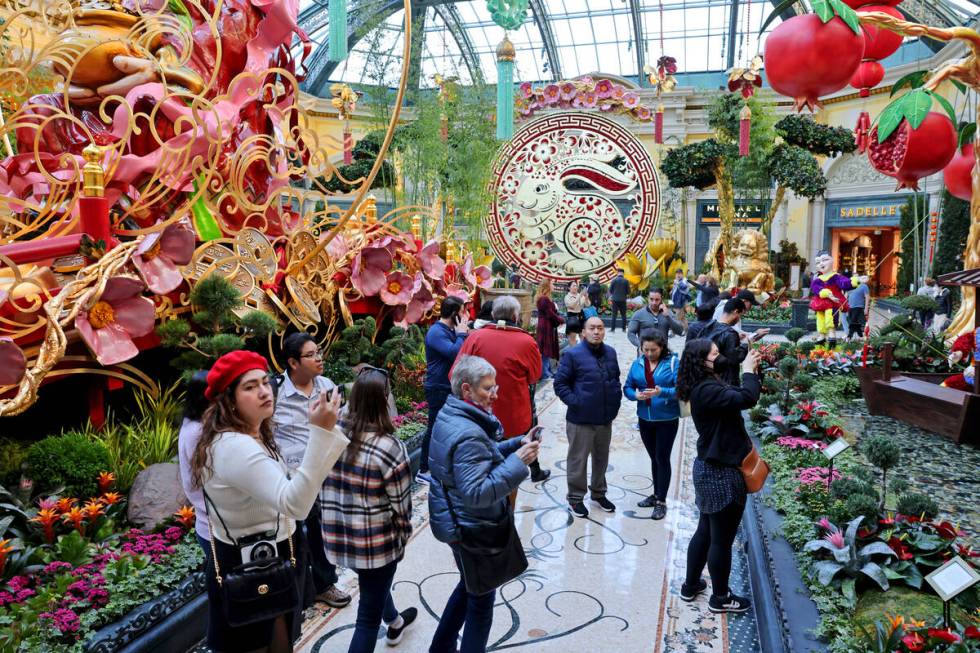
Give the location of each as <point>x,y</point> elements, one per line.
<point>964,349</point>
<point>827,295</point>
<point>749,267</point>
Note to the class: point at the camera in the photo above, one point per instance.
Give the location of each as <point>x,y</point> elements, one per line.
<point>260,547</point>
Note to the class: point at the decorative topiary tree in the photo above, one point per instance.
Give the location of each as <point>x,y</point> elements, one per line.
<point>794,334</point>
<point>884,454</point>
<point>918,505</point>
<point>215,327</point>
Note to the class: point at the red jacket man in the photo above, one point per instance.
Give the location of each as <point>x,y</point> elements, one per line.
<point>515,355</point>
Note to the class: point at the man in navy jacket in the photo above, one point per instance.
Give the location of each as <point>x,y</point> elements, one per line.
<point>443,341</point>
<point>588,383</point>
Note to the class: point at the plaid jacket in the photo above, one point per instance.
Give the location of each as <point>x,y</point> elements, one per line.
<point>366,504</point>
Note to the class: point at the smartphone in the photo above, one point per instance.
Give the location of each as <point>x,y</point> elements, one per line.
<point>534,435</point>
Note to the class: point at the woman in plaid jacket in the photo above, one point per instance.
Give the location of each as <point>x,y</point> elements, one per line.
<point>367,509</point>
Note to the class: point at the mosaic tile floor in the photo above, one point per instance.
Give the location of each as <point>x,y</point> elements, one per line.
<point>606,583</point>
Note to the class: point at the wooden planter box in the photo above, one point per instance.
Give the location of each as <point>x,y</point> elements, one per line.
<point>525,297</point>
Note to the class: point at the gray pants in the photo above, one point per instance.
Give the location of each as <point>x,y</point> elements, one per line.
<point>585,440</point>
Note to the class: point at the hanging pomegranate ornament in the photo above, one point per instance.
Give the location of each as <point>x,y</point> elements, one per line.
<point>815,54</point>
<point>958,175</point>
<point>910,141</point>
<point>869,74</point>
<point>880,43</point>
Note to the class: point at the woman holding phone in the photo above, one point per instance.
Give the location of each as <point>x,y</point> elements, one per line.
<point>651,384</point>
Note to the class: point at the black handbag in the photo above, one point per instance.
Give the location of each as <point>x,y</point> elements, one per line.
<point>490,554</point>
<point>573,321</point>
<point>255,591</point>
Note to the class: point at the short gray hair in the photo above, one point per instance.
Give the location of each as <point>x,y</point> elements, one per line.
<point>506,308</point>
<point>469,369</point>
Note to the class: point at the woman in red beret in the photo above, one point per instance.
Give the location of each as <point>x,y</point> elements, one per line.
<point>251,499</point>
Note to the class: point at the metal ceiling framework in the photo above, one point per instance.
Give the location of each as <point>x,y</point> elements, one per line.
<point>365,15</point>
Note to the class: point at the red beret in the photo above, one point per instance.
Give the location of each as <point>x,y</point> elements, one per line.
<point>229,367</point>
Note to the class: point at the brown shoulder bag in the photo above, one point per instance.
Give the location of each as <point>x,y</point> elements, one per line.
<point>755,470</point>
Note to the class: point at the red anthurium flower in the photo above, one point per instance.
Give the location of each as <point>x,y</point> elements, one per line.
<point>944,635</point>
<point>972,632</point>
<point>900,548</point>
<point>946,530</point>
<point>914,642</point>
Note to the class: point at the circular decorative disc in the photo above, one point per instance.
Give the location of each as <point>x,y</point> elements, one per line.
<point>572,194</point>
<point>303,304</point>
<point>301,244</point>
<point>257,253</point>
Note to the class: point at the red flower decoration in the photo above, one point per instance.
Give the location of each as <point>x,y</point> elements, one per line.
<point>944,635</point>
<point>914,642</point>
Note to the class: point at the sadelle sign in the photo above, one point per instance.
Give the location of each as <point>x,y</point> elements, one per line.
<point>868,211</point>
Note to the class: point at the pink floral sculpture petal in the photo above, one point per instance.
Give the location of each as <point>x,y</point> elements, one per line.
<point>432,264</point>
<point>371,266</point>
<point>121,314</point>
<point>338,247</point>
<point>13,364</point>
<point>422,300</point>
<point>397,290</point>
<point>457,291</point>
<point>484,277</point>
<point>158,256</point>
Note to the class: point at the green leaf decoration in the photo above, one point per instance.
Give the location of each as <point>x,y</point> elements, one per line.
<point>916,105</point>
<point>944,103</point>
<point>823,9</point>
<point>889,119</point>
<point>847,15</point>
<point>780,8</point>
<point>912,80</point>
<point>967,133</point>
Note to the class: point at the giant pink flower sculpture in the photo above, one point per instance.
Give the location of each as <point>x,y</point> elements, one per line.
<point>432,264</point>
<point>422,300</point>
<point>121,314</point>
<point>12,362</point>
<point>604,88</point>
<point>158,256</point>
<point>372,263</point>
<point>397,290</point>
<point>479,276</point>
<point>552,94</point>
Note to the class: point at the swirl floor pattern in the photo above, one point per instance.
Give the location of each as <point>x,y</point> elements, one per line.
<point>606,583</point>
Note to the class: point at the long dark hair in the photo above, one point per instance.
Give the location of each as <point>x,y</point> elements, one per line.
<point>693,369</point>
<point>221,417</point>
<point>367,410</point>
<point>195,403</point>
<point>660,339</point>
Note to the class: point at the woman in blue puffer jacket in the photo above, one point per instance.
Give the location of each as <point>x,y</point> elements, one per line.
<point>651,384</point>
<point>475,473</point>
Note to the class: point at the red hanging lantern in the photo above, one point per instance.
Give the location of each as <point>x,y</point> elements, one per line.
<point>861,131</point>
<point>744,130</point>
<point>658,126</point>
<point>348,145</point>
<point>868,75</point>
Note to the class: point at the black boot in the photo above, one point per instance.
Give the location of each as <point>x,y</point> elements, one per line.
<point>538,474</point>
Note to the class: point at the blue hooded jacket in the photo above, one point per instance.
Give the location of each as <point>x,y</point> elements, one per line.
<point>467,464</point>
<point>664,406</point>
<point>588,383</point>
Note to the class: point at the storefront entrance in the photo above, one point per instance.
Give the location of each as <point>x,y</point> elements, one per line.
<point>870,251</point>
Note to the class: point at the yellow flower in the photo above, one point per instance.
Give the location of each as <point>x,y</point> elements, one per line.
<point>636,270</point>
<point>661,248</point>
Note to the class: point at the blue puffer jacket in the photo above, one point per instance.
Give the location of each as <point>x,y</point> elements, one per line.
<point>588,383</point>
<point>477,473</point>
<point>664,406</point>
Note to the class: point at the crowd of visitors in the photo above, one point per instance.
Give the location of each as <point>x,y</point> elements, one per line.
<point>289,484</point>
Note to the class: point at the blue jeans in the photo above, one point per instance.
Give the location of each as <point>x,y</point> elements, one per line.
<point>374,605</point>
<point>436,399</point>
<point>473,611</point>
<point>546,371</point>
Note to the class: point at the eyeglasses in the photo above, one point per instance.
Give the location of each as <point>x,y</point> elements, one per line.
<point>371,368</point>
<point>316,355</point>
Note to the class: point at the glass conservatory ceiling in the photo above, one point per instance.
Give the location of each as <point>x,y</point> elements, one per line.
<point>561,39</point>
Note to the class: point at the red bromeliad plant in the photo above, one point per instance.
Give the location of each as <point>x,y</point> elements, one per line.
<point>814,54</point>
<point>909,141</point>
<point>900,635</point>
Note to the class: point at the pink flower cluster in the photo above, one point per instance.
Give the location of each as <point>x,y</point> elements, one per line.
<point>794,442</point>
<point>19,589</point>
<point>89,590</point>
<point>63,619</point>
<point>811,475</point>
<point>152,545</point>
<point>581,93</point>
<point>417,414</point>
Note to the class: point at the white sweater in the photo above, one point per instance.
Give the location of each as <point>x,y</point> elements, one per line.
<point>249,487</point>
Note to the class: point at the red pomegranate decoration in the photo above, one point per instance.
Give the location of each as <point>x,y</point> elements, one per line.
<point>879,42</point>
<point>909,154</point>
<point>869,74</point>
<point>807,58</point>
<point>958,175</point>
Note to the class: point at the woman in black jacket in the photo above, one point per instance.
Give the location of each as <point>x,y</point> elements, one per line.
<point>719,489</point>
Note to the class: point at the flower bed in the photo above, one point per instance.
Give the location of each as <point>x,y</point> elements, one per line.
<point>863,565</point>
<point>68,570</point>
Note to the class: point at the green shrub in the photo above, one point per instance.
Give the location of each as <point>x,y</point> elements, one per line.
<point>883,453</point>
<point>863,504</point>
<point>788,366</point>
<point>12,456</point>
<point>794,334</point>
<point>918,505</point>
<point>70,460</point>
<point>848,486</point>
<point>900,486</point>
<point>806,346</point>
<point>919,303</point>
<point>759,413</point>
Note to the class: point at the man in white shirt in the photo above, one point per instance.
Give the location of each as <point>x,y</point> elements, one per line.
<point>300,386</point>
<point>930,290</point>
